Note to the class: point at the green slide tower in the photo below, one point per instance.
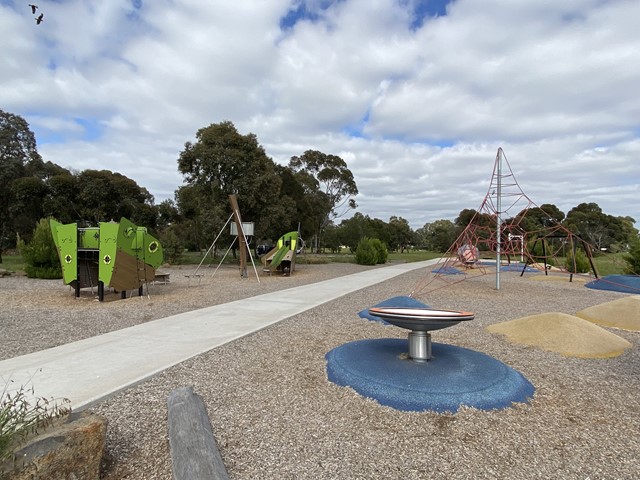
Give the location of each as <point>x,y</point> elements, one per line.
<point>120,255</point>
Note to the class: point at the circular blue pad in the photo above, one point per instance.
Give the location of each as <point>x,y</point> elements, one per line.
<point>617,283</point>
<point>380,369</point>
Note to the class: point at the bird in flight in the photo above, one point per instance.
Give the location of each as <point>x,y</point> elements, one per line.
<point>39,20</point>
<point>33,8</point>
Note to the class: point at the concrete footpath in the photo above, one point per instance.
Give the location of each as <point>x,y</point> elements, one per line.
<point>90,370</point>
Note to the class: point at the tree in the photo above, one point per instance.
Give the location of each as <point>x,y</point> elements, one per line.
<point>377,228</point>
<point>223,162</point>
<point>401,233</point>
<point>329,183</point>
<point>538,218</point>
<point>438,236</point>
<point>17,150</point>
<point>628,234</point>
<point>103,195</point>
<point>26,206</point>
<point>353,229</point>
<point>632,259</point>
<point>200,218</point>
<point>168,214</point>
<point>601,230</point>
<point>468,216</point>
<point>62,196</point>
<point>330,239</point>
<point>299,201</point>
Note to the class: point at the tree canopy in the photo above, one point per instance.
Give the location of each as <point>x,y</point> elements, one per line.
<point>222,162</point>
<point>33,189</point>
<point>328,184</point>
<point>313,191</point>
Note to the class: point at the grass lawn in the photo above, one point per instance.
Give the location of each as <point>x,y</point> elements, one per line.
<point>13,263</point>
<point>609,264</point>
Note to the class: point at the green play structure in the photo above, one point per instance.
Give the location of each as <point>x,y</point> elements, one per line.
<point>119,255</point>
<point>283,256</point>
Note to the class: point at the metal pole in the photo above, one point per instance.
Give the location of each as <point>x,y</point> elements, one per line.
<point>498,217</point>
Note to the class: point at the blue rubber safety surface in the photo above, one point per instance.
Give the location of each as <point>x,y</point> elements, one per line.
<point>400,301</point>
<point>514,267</point>
<point>617,283</point>
<point>455,376</point>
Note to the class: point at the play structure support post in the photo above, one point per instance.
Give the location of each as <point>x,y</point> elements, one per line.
<point>242,241</point>
<point>420,346</point>
<point>498,217</point>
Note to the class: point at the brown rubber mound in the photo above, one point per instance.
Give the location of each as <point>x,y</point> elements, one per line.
<point>623,313</point>
<point>564,334</point>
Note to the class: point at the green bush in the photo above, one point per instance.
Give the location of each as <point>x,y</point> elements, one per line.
<point>581,263</point>
<point>381,251</point>
<point>312,259</point>
<point>40,254</point>
<point>536,251</point>
<point>172,246</point>
<point>366,252</point>
<point>633,259</point>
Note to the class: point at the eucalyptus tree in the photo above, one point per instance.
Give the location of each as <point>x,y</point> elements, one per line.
<point>437,236</point>
<point>222,162</point>
<point>329,185</point>
<point>401,235</point>
<point>17,150</point>
<point>600,229</point>
<point>103,195</point>
<point>539,218</point>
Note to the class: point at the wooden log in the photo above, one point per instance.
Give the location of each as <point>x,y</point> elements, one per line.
<point>194,453</point>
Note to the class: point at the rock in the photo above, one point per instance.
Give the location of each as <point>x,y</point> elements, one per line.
<point>69,451</point>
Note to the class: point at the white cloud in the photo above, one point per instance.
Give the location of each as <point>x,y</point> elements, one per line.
<point>553,83</point>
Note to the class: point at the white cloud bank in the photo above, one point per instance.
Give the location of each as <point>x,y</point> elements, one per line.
<point>417,113</point>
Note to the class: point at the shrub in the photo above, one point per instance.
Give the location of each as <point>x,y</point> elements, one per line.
<point>40,254</point>
<point>633,259</point>
<point>381,250</point>
<point>172,246</point>
<point>536,251</point>
<point>366,253</point>
<point>312,260</point>
<point>580,264</point>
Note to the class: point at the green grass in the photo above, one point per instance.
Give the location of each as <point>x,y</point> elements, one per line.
<point>347,257</point>
<point>12,262</point>
<point>413,256</point>
<point>194,258</point>
<point>609,264</point>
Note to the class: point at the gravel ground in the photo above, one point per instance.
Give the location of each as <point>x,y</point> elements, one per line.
<point>275,415</point>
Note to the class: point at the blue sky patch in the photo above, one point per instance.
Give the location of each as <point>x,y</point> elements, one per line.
<point>311,11</point>
<point>425,9</point>
<point>355,130</point>
<point>91,128</point>
<point>304,11</point>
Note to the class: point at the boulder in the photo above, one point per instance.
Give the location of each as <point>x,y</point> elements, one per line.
<point>71,450</point>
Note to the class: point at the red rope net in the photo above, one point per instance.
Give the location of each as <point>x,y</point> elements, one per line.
<point>475,251</point>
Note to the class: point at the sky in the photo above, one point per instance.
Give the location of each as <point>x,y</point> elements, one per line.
<point>416,96</point>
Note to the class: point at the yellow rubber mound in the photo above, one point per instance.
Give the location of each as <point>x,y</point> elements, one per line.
<point>623,313</point>
<point>564,334</point>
